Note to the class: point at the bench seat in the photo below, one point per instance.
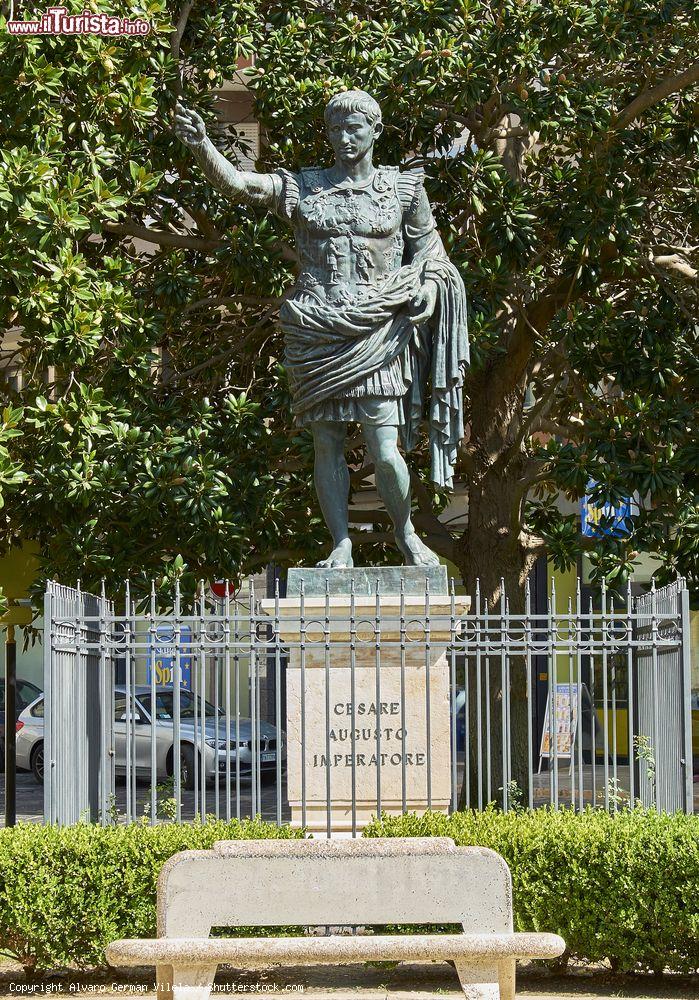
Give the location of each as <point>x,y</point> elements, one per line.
<point>333,949</point>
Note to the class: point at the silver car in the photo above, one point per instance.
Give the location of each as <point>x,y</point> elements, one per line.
<point>217,743</point>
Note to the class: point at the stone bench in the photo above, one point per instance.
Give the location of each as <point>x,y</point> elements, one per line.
<point>335,882</point>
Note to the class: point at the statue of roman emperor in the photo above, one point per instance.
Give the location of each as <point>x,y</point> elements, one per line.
<point>376,322</point>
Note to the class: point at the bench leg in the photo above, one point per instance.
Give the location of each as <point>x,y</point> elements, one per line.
<point>507,979</point>
<point>479,982</point>
<point>191,982</point>
<point>163,981</point>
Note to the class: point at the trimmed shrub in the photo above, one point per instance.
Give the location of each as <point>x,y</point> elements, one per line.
<point>66,892</point>
<point>621,887</point>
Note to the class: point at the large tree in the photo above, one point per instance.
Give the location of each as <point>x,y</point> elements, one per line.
<point>559,142</point>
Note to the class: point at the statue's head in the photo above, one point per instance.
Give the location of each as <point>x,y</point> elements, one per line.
<point>353,121</point>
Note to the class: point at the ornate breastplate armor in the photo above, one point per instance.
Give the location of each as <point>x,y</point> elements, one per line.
<point>348,236</point>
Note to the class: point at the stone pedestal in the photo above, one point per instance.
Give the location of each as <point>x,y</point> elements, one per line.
<point>368,708</point>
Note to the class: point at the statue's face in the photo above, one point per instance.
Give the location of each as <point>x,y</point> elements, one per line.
<point>351,136</point>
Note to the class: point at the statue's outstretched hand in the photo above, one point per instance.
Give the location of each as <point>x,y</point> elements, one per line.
<point>189,126</point>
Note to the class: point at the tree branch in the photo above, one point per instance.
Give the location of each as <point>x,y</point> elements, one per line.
<point>569,431</point>
<point>467,457</point>
<point>359,516</point>
<point>426,519</point>
<point>535,318</point>
<point>127,227</point>
<point>534,544</point>
<point>230,300</point>
<point>678,266</point>
<point>160,237</point>
<point>204,223</point>
<point>360,538</point>
<point>531,477</point>
<point>533,418</point>
<point>239,348</point>
<point>647,98</point>
<point>176,37</point>
<point>511,143</point>
<point>358,476</point>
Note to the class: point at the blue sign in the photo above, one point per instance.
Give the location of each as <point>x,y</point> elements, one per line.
<point>606,519</point>
<point>164,659</point>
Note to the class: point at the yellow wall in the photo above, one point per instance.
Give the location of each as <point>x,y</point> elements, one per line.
<point>566,587</point>
<point>18,569</point>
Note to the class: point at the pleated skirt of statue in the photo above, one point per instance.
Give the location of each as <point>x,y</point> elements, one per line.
<point>373,400</point>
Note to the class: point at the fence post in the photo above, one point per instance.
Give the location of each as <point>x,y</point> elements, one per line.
<point>49,811</point>
<point>686,667</point>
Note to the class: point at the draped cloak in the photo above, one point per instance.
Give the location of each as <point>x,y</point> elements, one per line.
<point>332,346</point>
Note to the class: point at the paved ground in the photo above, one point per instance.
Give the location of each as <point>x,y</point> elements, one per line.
<point>406,982</point>
<point>30,800</point>
<point>30,804</point>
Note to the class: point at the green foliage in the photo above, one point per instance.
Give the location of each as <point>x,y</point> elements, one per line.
<point>622,887</point>
<point>646,753</point>
<point>165,800</point>
<point>156,420</point>
<point>151,436</point>
<point>66,892</point>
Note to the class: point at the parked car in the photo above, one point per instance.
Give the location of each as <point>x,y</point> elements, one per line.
<point>460,712</point>
<point>26,694</point>
<point>219,744</point>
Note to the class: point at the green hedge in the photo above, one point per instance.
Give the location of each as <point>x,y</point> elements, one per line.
<point>621,887</point>
<point>66,892</point>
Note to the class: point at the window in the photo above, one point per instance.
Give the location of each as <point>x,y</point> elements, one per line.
<point>26,694</point>
<point>164,707</point>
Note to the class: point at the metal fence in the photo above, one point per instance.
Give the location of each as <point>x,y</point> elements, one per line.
<point>664,698</point>
<point>325,710</point>
<point>75,719</point>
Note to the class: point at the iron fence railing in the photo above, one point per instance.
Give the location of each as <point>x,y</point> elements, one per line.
<point>323,710</point>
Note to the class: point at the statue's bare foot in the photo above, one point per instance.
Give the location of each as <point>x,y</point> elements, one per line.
<point>415,551</point>
<point>340,557</point>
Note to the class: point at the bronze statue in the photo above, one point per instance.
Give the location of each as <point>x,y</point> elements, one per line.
<point>378,313</point>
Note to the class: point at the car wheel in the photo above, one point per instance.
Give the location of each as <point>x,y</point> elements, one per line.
<point>37,763</point>
<point>187,768</point>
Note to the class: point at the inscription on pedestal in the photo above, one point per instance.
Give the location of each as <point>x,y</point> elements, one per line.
<point>388,744</point>
<point>363,740</point>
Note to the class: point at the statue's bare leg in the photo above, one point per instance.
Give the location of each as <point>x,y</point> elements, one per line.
<point>393,484</point>
<point>332,486</point>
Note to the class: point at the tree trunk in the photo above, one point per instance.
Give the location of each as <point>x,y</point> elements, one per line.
<point>492,553</point>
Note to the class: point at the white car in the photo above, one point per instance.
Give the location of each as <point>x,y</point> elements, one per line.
<point>218,743</point>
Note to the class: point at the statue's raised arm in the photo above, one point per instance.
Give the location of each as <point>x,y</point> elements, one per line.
<point>242,185</point>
